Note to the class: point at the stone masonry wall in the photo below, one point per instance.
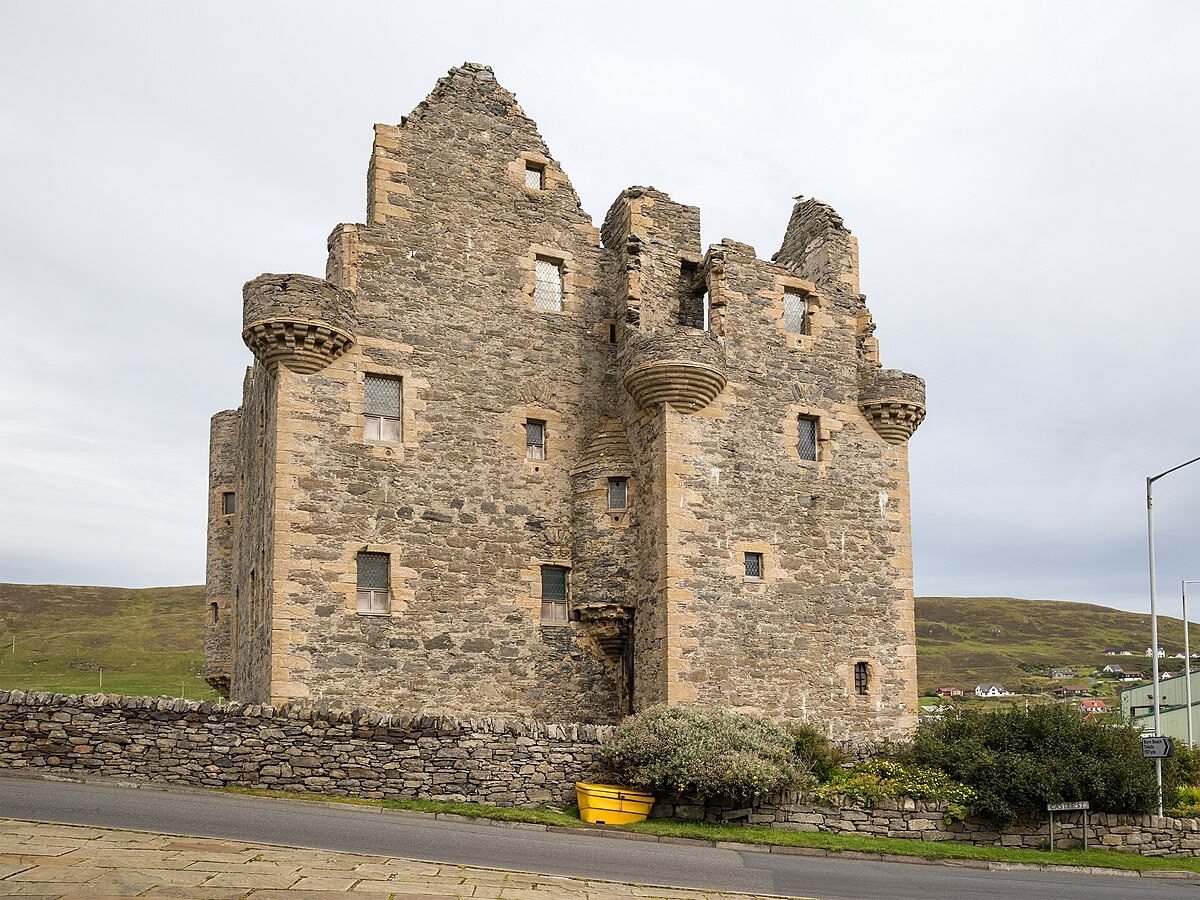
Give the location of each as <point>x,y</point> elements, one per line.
<point>928,821</point>
<point>297,748</point>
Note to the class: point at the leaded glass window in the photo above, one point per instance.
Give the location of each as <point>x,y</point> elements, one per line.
<point>548,284</point>
<point>754,565</point>
<point>228,503</point>
<point>534,176</point>
<point>807,434</point>
<point>554,594</point>
<point>618,493</point>
<point>535,439</point>
<point>381,421</point>
<point>795,311</point>
<point>374,586</point>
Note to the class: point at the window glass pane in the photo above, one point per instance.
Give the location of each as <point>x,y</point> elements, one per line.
<point>554,583</point>
<point>618,493</point>
<point>389,430</point>
<point>806,443</point>
<point>371,428</point>
<point>795,312</point>
<point>554,611</point>
<point>228,503</point>
<point>382,396</point>
<point>535,440</point>
<point>754,567</point>
<point>860,677</point>
<point>373,571</point>
<point>364,601</point>
<point>547,289</point>
<point>533,176</point>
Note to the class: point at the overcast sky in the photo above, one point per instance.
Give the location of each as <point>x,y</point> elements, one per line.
<point>1022,178</point>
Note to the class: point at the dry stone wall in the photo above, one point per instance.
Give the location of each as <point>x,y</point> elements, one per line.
<point>929,821</point>
<point>297,748</point>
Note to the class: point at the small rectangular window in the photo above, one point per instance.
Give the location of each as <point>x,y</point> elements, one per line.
<point>618,493</point>
<point>807,434</point>
<point>795,311</point>
<point>535,176</point>
<point>554,594</point>
<point>754,565</point>
<point>228,503</point>
<point>535,439</point>
<point>381,419</point>
<point>374,585</point>
<point>548,284</point>
<point>861,678</point>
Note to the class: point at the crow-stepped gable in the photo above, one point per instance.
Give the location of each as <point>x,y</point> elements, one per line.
<point>499,462</point>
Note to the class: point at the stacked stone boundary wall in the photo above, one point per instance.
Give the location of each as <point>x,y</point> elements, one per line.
<point>298,748</point>
<point>930,821</point>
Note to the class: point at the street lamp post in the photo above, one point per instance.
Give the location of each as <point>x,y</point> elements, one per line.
<point>1154,617</point>
<point>1187,661</point>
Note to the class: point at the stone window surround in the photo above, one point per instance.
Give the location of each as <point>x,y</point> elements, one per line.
<point>532,577</point>
<point>552,176</point>
<point>815,317</point>
<point>219,493</point>
<point>566,261</point>
<point>400,578</point>
<point>736,568</point>
<point>514,435</point>
<point>827,428</point>
<point>410,403</point>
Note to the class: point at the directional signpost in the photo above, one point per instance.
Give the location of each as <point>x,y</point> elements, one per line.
<point>1157,747</point>
<point>1073,806</point>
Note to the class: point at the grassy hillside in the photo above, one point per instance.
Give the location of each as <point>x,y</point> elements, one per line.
<point>962,641</point>
<point>149,641</point>
<point>146,641</point>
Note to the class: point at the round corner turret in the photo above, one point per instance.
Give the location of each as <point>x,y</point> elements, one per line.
<point>297,321</point>
<point>893,402</point>
<point>684,367</point>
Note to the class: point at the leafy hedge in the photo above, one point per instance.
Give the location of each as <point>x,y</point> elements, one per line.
<point>703,754</point>
<point>881,779</point>
<point>1017,761</point>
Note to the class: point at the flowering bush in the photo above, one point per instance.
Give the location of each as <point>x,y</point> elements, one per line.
<point>703,754</point>
<point>881,779</point>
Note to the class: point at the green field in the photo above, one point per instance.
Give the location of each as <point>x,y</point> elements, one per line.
<point>963,641</point>
<point>149,641</point>
<point>70,639</point>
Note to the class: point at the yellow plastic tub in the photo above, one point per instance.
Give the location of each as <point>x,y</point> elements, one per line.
<point>610,804</point>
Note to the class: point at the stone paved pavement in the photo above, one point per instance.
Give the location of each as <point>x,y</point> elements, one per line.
<point>42,860</point>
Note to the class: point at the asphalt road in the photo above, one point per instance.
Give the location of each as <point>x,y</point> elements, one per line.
<point>357,830</point>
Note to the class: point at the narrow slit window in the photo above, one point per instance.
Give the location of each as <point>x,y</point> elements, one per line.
<point>548,284</point>
<point>862,678</point>
<point>374,585</point>
<point>795,311</point>
<point>228,503</point>
<point>554,594</point>
<point>213,614</point>
<point>535,439</point>
<point>381,419</point>
<point>754,565</point>
<point>618,493</point>
<point>535,176</point>
<point>807,434</point>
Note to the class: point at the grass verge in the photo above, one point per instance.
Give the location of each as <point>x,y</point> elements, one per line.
<point>754,834</point>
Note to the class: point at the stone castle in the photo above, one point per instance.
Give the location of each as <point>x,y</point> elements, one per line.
<point>499,462</point>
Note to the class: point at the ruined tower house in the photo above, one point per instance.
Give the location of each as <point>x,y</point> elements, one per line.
<point>501,462</point>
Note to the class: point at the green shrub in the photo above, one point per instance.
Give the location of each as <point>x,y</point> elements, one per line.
<point>1018,761</point>
<point>703,754</point>
<point>814,750</point>
<point>1187,802</point>
<point>881,779</point>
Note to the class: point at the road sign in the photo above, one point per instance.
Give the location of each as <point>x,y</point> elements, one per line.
<point>1068,807</point>
<point>1157,747</point>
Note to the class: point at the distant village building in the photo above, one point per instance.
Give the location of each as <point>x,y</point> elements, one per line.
<point>1137,706</point>
<point>1130,676</point>
<point>950,692</point>
<point>1093,705</point>
<point>991,690</point>
<point>1113,651</point>
<point>1113,670</point>
<point>1072,690</point>
<point>1149,652</point>
<point>1060,673</point>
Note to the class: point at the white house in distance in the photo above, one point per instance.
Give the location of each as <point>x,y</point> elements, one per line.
<point>1161,653</point>
<point>991,690</point>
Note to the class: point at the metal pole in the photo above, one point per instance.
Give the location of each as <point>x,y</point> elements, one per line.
<point>1187,662</point>
<point>1154,635</point>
